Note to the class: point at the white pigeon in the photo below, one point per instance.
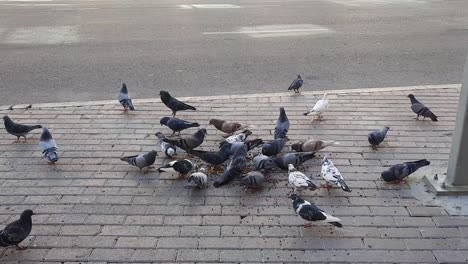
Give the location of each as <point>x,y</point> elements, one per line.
<point>319,107</point>
<point>331,174</point>
<point>241,137</point>
<point>197,180</point>
<point>299,180</point>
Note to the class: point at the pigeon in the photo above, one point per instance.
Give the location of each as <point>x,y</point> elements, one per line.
<point>17,231</point>
<point>125,99</point>
<point>312,145</point>
<point>331,174</point>
<point>310,212</point>
<point>263,163</point>
<point>176,124</point>
<point>319,107</point>
<point>213,158</point>
<point>282,124</point>
<point>141,161</point>
<point>167,148</point>
<point>274,147</point>
<point>296,84</point>
<point>251,144</point>
<point>241,137</point>
<point>377,137</point>
<point>253,179</point>
<point>234,168</point>
<point>421,110</point>
<point>174,104</point>
<point>295,159</point>
<point>182,166</point>
<point>299,180</point>
<point>48,146</point>
<point>18,130</point>
<point>398,172</point>
<point>197,180</point>
<point>189,142</point>
<point>225,126</point>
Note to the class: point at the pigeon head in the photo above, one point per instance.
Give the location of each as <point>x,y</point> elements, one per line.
<point>297,146</point>
<point>325,159</point>
<point>325,95</point>
<point>6,118</point>
<point>124,88</point>
<point>153,153</point>
<point>164,120</point>
<point>299,76</point>
<point>203,131</point>
<point>164,94</point>
<point>26,214</point>
<point>215,121</point>
<point>293,196</point>
<point>388,176</point>
<point>291,168</point>
<point>410,95</point>
<point>159,135</point>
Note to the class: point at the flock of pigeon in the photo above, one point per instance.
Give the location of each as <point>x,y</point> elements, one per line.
<point>233,149</point>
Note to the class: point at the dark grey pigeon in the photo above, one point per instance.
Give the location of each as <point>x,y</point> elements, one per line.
<point>282,124</point>
<point>310,212</point>
<point>398,172</point>
<point>274,147</point>
<point>48,146</point>
<point>176,124</point>
<point>168,149</point>
<point>296,84</point>
<point>295,159</point>
<point>174,104</point>
<point>18,130</point>
<point>141,161</point>
<point>234,168</point>
<point>17,231</point>
<point>182,166</point>
<point>253,179</point>
<point>213,157</point>
<point>251,144</point>
<point>125,99</point>
<point>188,143</point>
<point>377,137</point>
<point>263,163</point>
<point>420,109</point>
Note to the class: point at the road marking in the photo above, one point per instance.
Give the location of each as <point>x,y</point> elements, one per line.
<point>42,35</point>
<point>208,6</point>
<point>35,4</point>
<point>268,31</point>
<point>376,2</point>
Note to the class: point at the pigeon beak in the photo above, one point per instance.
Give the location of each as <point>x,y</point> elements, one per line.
<point>33,214</point>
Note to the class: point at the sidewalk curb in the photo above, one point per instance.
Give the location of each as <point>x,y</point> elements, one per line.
<point>224,97</point>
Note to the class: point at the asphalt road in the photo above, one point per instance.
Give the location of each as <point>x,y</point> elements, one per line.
<point>63,50</point>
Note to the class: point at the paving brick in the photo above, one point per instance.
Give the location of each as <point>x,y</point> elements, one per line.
<point>426,211</point>
<point>112,254</point>
<point>241,255</point>
<point>117,230</point>
<point>433,232</point>
<point>136,242</point>
<point>219,242</point>
<point>154,255</point>
<point>176,242</point>
<point>68,254</point>
<point>450,221</point>
<point>83,230</point>
<point>399,232</point>
<point>197,255</point>
<point>450,256</point>
<point>379,243</point>
<point>200,231</point>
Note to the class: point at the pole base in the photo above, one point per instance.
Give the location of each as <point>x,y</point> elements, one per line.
<point>437,184</point>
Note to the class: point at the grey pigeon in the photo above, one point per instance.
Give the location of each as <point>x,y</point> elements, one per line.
<point>190,142</point>
<point>377,137</point>
<point>234,168</point>
<point>282,124</point>
<point>251,144</point>
<point>299,180</point>
<point>176,124</point>
<point>174,104</point>
<point>17,231</point>
<point>310,212</point>
<point>141,161</point>
<point>225,126</point>
<point>182,166</point>
<point>398,172</point>
<point>274,147</point>
<point>296,84</point>
<point>213,157</point>
<point>125,99</point>
<point>168,149</point>
<point>197,180</point>
<point>312,145</point>
<point>295,159</point>
<point>253,179</point>
<point>420,109</point>
<point>48,146</point>
<point>263,163</point>
<point>18,130</point>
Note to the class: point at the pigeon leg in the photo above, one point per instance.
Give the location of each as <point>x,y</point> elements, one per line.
<point>20,247</point>
<point>306,225</point>
<point>173,133</point>
<point>417,117</point>
<point>17,140</point>
<point>25,139</point>
<point>374,147</point>
<point>173,113</point>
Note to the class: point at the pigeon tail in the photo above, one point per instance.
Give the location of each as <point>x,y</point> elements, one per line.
<point>433,117</point>
<point>306,113</point>
<point>36,126</point>
<point>282,116</point>
<point>421,163</point>
<point>337,224</point>
<point>343,185</point>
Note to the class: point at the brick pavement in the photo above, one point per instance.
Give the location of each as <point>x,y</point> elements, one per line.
<point>93,208</point>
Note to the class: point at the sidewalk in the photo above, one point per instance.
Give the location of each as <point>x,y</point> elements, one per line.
<point>92,207</point>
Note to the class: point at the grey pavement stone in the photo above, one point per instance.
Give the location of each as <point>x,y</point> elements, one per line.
<point>92,208</point>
